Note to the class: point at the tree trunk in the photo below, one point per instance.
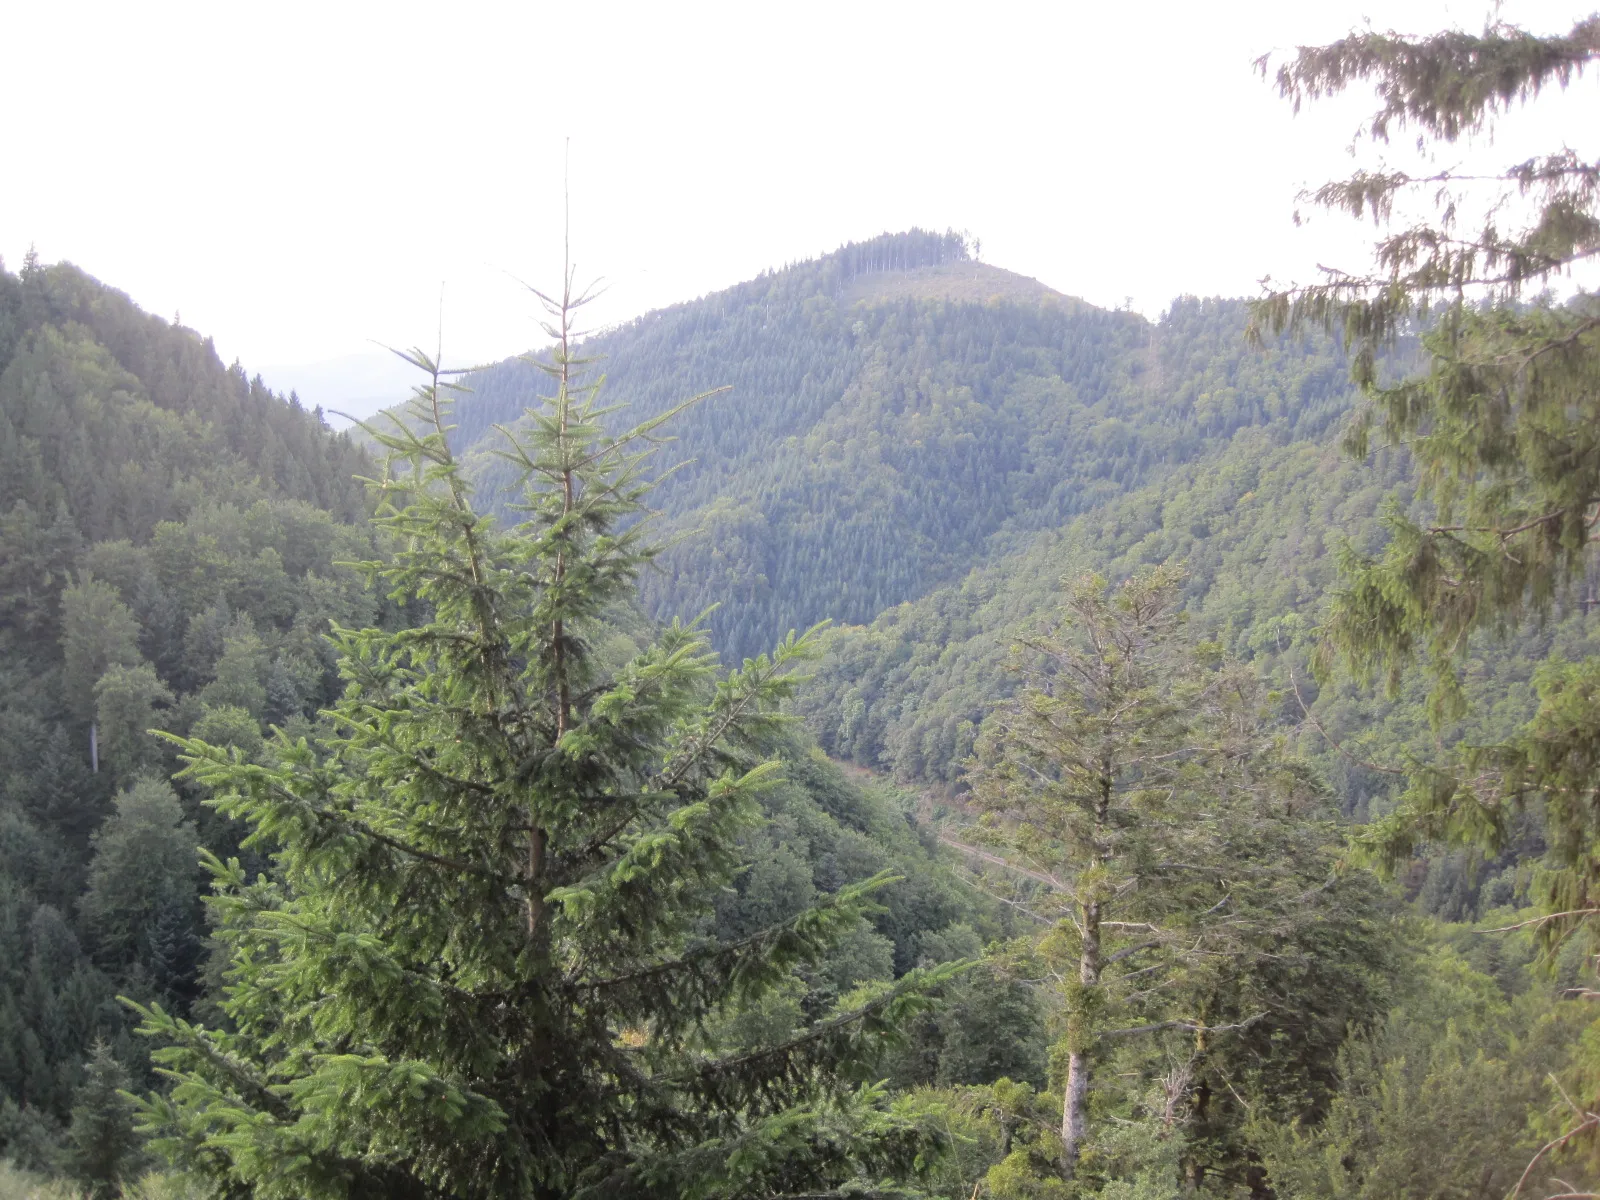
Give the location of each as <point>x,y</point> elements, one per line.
<point>1075,1101</point>
<point>1080,1043</point>
<point>1073,1106</point>
<point>94,748</point>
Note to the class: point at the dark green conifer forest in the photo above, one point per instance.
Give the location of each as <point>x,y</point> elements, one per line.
<point>886,729</point>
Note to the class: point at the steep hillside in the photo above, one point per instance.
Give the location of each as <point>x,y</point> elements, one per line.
<point>1253,522</point>
<point>962,281</point>
<point>122,420</point>
<point>898,412</point>
<point>171,535</point>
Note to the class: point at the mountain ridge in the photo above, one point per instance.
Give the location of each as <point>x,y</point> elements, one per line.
<point>885,429</point>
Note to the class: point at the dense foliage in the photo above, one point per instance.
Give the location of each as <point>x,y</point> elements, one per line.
<point>485,963</point>
<point>1186,867</point>
<point>213,622</point>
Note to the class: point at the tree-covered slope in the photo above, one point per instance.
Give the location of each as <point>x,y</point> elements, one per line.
<point>916,444</point>
<point>171,535</point>
<point>1254,524</point>
<point>897,412</point>
<point>122,420</point>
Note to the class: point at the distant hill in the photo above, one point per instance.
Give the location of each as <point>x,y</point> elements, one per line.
<point>122,420</point>
<point>900,412</point>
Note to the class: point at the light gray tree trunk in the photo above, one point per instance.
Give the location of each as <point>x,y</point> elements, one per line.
<point>1075,1101</point>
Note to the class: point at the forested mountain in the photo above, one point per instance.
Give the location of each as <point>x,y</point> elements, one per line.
<point>898,411</point>
<point>927,450</point>
<point>924,449</point>
<point>91,382</point>
<point>169,539</point>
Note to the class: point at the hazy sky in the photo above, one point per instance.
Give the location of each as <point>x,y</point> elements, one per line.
<point>298,179</point>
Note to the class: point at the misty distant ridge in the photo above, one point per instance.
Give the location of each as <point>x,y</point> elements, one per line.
<point>355,384</point>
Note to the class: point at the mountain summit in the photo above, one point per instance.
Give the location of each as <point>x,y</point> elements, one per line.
<point>897,412</point>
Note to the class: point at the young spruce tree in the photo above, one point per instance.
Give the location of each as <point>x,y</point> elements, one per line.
<point>103,1150</point>
<point>480,966</point>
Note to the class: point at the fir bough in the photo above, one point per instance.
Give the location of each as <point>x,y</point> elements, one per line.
<point>1503,427</point>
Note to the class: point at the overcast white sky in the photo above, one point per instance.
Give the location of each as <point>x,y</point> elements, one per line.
<point>299,178</point>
